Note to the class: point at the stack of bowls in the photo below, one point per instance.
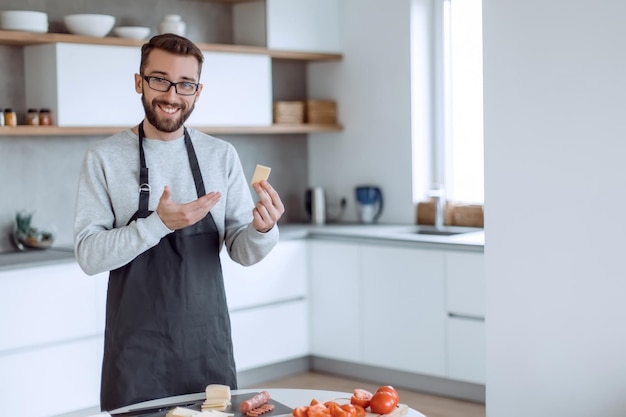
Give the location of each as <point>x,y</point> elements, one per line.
<point>97,25</point>
<point>24,20</point>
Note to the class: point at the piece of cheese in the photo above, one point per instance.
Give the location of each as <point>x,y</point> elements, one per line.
<point>261,173</point>
<point>182,412</point>
<point>214,413</point>
<point>217,392</point>
<point>219,405</point>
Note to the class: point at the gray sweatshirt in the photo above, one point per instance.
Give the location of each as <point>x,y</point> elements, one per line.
<point>108,196</point>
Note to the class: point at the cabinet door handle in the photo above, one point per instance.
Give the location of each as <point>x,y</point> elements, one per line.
<point>465,316</point>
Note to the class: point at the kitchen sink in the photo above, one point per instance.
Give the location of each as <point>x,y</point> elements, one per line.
<point>445,230</point>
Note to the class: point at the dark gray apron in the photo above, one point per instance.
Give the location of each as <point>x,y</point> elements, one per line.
<point>167,324</point>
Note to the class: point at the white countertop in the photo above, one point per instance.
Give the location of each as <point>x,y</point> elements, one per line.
<point>474,241</point>
<point>290,397</point>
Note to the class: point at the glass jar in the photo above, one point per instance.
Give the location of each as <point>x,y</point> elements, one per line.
<point>45,118</point>
<point>1,117</point>
<point>32,117</point>
<point>10,118</point>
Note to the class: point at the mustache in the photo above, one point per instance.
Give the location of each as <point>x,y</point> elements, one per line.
<point>156,102</point>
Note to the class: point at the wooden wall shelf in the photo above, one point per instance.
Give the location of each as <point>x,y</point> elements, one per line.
<point>275,129</point>
<point>18,38</point>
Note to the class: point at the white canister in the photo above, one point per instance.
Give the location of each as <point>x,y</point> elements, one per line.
<point>173,23</point>
<point>318,206</point>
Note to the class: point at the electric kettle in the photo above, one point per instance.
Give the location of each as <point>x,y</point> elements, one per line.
<point>369,201</point>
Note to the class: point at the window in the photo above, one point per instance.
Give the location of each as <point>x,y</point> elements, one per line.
<point>456,133</point>
<point>463,100</point>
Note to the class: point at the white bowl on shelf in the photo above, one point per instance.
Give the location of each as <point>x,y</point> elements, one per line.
<point>97,25</point>
<point>132,32</point>
<point>24,20</point>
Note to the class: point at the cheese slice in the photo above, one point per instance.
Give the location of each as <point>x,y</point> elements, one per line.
<point>261,173</point>
<point>182,412</point>
<point>214,413</point>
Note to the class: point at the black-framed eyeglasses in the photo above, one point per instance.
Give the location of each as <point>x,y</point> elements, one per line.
<point>184,88</point>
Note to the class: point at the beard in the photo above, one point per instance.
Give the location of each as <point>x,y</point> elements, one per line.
<point>166,124</point>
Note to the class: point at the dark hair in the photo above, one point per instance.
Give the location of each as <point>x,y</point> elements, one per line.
<point>171,43</point>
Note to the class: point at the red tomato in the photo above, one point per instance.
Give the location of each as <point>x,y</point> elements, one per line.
<point>390,389</point>
<point>336,410</point>
<point>330,403</point>
<point>349,409</point>
<point>318,410</point>
<point>314,402</point>
<point>361,397</point>
<point>383,402</point>
<point>300,411</point>
<point>360,411</point>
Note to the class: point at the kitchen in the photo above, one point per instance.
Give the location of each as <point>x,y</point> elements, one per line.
<point>553,332</point>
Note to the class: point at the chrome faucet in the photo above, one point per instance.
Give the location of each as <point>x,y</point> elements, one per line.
<point>438,194</point>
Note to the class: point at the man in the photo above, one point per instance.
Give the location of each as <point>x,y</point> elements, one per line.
<point>144,214</point>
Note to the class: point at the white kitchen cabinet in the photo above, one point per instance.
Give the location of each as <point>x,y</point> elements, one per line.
<point>52,339</point>
<point>334,300</point>
<point>402,308</point>
<point>270,334</point>
<point>50,304</point>
<point>53,379</point>
<point>237,87</point>
<point>237,91</point>
<point>465,283</point>
<point>465,350</point>
<point>289,25</point>
<point>84,85</point>
<point>378,305</point>
<point>268,306</point>
<point>465,326</point>
<point>280,276</point>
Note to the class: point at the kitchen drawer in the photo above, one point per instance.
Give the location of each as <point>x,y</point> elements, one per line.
<point>282,275</point>
<point>53,380</point>
<point>465,284</point>
<point>49,304</point>
<point>466,350</point>
<point>272,334</point>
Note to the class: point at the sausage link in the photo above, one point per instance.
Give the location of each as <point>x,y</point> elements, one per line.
<point>254,402</point>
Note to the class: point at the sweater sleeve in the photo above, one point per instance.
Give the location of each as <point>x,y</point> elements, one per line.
<point>245,245</point>
<point>98,245</point>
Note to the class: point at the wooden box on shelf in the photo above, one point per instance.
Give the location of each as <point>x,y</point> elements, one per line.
<point>289,112</point>
<point>321,112</point>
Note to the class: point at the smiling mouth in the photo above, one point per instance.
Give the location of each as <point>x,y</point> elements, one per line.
<point>169,110</point>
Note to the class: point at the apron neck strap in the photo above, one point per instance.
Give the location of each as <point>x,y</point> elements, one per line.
<point>144,184</point>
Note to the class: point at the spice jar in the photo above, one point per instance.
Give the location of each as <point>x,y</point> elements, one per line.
<point>45,118</point>
<point>1,117</point>
<point>10,118</point>
<point>32,117</point>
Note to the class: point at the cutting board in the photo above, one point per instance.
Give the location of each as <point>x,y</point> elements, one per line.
<point>236,400</point>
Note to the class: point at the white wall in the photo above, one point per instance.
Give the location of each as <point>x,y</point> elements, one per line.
<point>555,144</point>
<point>372,85</point>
